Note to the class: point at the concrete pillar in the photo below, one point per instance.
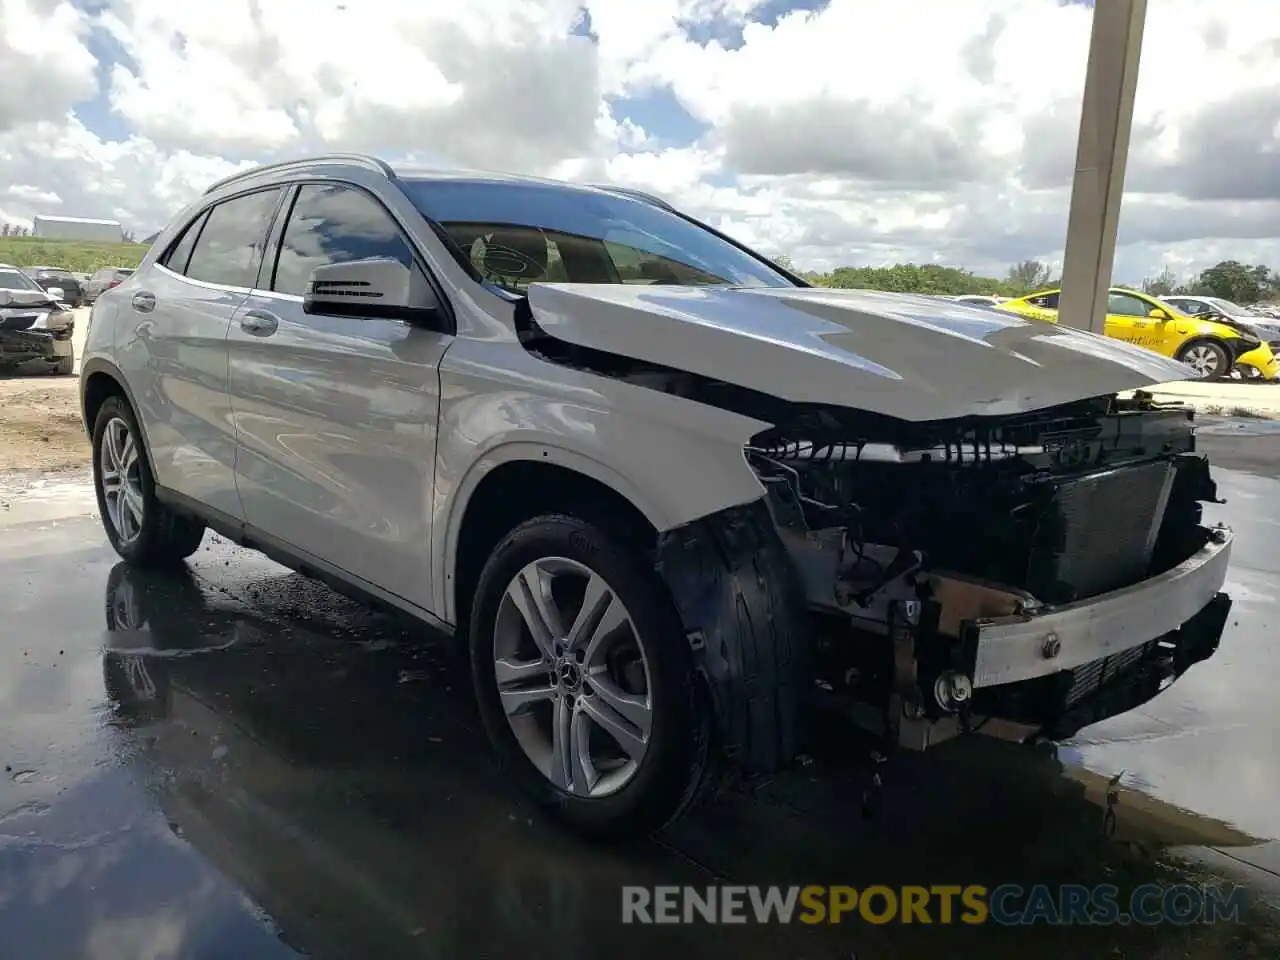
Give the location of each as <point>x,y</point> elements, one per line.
<point>1101,153</point>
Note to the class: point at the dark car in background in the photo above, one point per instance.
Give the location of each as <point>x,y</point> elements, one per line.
<point>105,279</point>
<point>33,325</point>
<point>50,278</point>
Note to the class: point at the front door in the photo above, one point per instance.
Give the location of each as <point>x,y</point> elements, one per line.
<point>1128,319</point>
<point>336,417</point>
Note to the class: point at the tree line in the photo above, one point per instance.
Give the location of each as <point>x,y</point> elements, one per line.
<point>1230,280</point>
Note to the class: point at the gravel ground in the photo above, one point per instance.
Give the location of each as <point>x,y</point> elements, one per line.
<point>40,428</point>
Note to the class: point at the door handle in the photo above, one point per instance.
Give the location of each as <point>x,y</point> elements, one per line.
<point>259,323</point>
<point>144,302</point>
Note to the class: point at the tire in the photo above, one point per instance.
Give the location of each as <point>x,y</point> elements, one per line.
<point>159,536</point>
<point>1199,353</point>
<point>65,366</point>
<point>625,792</point>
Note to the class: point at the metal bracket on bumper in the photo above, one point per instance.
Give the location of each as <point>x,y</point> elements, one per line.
<point>1049,640</point>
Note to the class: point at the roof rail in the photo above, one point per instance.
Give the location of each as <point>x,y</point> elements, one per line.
<point>633,194</point>
<point>346,159</point>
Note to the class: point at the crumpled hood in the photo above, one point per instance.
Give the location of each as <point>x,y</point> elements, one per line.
<point>24,298</point>
<point>906,356</point>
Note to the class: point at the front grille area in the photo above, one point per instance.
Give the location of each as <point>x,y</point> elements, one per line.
<point>1099,532</point>
<point>1090,678</point>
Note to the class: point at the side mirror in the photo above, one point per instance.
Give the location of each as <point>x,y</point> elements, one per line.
<point>55,292</point>
<point>1159,314</point>
<point>378,288</point>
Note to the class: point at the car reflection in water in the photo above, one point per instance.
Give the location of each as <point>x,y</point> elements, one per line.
<point>328,760</point>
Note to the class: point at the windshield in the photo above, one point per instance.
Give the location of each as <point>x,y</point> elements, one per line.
<point>16,280</point>
<point>1226,306</point>
<point>515,234</point>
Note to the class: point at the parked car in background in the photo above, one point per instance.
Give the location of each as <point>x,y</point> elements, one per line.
<point>669,495</point>
<point>34,327</point>
<point>1210,348</point>
<point>105,279</point>
<point>1232,314</point>
<point>56,278</point>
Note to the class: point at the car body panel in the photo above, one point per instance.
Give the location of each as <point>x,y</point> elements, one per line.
<point>674,460</point>
<point>910,357</point>
<point>1263,359</point>
<point>335,422</point>
<point>175,359</point>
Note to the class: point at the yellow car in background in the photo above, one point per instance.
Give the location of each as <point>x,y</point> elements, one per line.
<point>1210,347</point>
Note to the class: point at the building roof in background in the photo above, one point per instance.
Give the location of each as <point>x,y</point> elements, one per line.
<point>44,219</point>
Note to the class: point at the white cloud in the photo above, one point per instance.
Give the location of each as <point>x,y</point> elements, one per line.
<point>857,133</point>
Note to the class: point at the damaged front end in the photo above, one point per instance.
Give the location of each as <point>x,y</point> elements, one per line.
<point>1017,570</point>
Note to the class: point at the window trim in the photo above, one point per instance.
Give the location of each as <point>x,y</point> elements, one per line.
<point>197,224</point>
<point>275,242</point>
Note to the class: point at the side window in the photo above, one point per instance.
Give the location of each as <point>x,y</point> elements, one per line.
<point>334,224</point>
<point>178,255</point>
<point>230,245</point>
<point>1048,302</point>
<point>1126,305</point>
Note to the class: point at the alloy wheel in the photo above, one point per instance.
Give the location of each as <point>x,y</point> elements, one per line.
<point>1203,359</point>
<point>121,480</point>
<point>573,677</point>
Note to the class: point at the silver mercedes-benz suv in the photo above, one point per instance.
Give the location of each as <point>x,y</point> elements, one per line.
<point>674,499</point>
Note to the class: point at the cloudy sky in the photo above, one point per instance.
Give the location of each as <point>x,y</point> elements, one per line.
<point>835,131</point>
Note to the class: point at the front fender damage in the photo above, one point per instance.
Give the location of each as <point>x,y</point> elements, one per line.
<point>742,606</point>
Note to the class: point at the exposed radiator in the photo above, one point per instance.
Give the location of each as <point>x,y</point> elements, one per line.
<point>1099,532</point>
<point>1091,677</point>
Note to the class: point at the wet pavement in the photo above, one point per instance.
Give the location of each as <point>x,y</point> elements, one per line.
<point>240,763</point>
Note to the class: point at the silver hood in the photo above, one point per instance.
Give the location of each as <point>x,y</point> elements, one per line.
<point>907,356</point>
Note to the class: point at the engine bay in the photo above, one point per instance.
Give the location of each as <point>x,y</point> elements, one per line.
<point>902,534</point>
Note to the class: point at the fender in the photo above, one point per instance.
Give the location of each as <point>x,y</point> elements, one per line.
<point>674,459</point>
<point>98,364</point>
<point>512,452</point>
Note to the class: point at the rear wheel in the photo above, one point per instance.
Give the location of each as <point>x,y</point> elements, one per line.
<point>584,681</point>
<point>141,528</point>
<point>65,366</point>
<point>1209,360</point>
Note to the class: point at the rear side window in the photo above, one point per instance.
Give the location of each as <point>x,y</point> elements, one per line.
<point>178,255</point>
<point>1047,302</point>
<point>230,246</point>
<point>334,224</point>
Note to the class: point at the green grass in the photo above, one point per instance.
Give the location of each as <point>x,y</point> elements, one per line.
<point>78,256</point>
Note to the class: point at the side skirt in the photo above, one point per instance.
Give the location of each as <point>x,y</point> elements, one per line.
<point>337,579</point>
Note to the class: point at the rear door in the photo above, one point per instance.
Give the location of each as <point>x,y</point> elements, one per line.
<point>336,417</point>
<point>174,353</point>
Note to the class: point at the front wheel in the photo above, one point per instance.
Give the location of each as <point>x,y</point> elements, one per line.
<point>1209,360</point>
<point>141,529</point>
<point>584,679</point>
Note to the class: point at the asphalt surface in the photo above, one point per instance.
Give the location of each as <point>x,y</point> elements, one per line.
<point>241,764</point>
